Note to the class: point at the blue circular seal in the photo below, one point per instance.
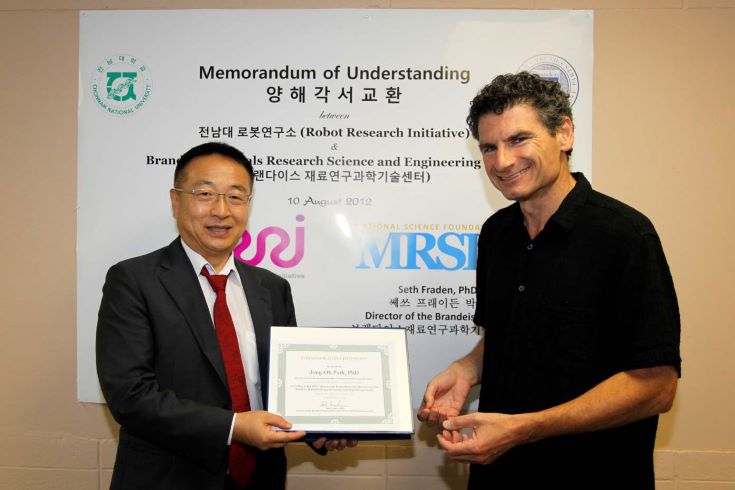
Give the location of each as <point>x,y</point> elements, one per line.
<point>553,67</point>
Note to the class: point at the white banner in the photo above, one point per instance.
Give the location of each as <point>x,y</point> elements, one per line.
<point>370,192</point>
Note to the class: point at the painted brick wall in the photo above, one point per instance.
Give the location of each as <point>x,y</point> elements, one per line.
<point>39,461</point>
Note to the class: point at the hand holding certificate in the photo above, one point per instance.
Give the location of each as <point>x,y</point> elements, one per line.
<point>341,381</point>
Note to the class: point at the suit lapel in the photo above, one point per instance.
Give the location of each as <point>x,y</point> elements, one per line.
<point>178,278</point>
<point>261,312</point>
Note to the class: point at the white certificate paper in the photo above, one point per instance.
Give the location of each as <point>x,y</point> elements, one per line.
<point>341,380</point>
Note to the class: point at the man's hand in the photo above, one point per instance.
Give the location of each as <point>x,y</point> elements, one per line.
<point>492,435</point>
<point>334,444</point>
<point>447,391</point>
<point>256,429</point>
<point>444,396</point>
<point>621,399</point>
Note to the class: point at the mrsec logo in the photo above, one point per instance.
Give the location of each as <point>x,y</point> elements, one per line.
<point>449,251</point>
<point>278,249</point>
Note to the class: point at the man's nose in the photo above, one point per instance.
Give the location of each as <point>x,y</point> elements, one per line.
<point>220,207</point>
<point>503,158</point>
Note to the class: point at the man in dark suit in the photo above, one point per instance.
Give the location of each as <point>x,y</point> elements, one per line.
<point>159,351</point>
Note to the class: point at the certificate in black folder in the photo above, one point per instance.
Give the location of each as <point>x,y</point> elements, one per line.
<point>341,382</point>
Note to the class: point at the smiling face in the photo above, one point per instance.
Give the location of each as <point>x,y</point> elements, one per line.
<point>211,229</point>
<point>524,161</point>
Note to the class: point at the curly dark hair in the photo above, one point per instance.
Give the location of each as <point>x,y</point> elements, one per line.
<point>506,91</point>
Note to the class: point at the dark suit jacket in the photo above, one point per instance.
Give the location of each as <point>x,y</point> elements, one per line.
<point>162,374</point>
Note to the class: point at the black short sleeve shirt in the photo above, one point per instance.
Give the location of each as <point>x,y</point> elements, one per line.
<point>589,297</point>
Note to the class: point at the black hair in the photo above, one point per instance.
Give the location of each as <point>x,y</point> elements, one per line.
<point>211,148</point>
<point>506,91</point>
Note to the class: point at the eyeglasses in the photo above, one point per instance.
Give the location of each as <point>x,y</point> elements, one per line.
<point>207,196</point>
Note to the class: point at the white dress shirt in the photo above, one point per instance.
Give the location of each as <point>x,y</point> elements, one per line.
<point>238,306</point>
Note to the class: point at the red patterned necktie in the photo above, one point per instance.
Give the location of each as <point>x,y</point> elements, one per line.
<point>241,458</point>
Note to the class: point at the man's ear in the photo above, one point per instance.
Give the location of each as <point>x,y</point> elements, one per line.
<point>566,134</point>
<point>174,196</point>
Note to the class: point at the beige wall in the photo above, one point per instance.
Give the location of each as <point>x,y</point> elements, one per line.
<point>664,118</point>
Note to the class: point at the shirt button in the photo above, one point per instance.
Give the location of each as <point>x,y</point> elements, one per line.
<point>521,288</point>
<point>529,246</point>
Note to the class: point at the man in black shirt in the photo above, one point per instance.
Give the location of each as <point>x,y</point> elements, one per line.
<point>581,346</point>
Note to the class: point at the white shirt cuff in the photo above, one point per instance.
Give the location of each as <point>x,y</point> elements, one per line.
<point>232,429</point>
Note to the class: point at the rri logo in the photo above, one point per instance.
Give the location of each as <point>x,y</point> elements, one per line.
<point>261,245</point>
<point>448,251</point>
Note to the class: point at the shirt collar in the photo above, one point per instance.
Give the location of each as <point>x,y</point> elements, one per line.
<point>568,211</point>
<point>565,216</point>
<point>197,262</point>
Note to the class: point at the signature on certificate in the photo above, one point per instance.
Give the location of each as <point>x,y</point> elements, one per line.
<point>332,404</point>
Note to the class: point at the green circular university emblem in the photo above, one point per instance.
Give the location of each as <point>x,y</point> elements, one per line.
<point>121,85</point>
